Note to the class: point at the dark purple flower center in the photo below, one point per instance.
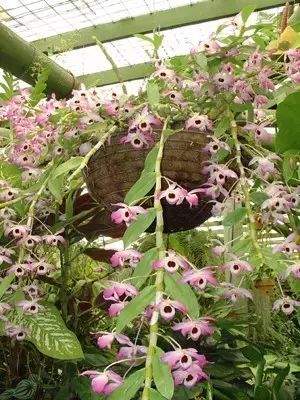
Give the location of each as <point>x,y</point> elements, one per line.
<point>195,330</point>
<point>126,214</point>
<point>137,141</point>
<point>184,359</point>
<point>215,147</point>
<point>221,79</point>
<point>163,74</point>
<point>286,305</point>
<point>189,378</point>
<point>236,267</point>
<point>143,124</point>
<point>168,309</point>
<point>171,264</point>
<point>172,96</point>
<point>198,121</point>
<point>201,280</point>
<point>171,195</point>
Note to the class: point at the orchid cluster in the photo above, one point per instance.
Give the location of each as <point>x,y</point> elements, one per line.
<point>223,90</point>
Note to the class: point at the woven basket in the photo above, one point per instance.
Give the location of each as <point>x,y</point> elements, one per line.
<point>113,170</point>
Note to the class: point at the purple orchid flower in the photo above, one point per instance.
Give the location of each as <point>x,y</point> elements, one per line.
<point>183,358</point>
<point>189,377</point>
<point>237,266</point>
<point>119,291</point>
<point>286,305</point>
<point>199,279</point>
<point>261,135</point>
<point>103,382</point>
<point>106,339</point>
<point>167,309</point>
<point>194,329</point>
<point>171,262</point>
<point>234,293</point>
<point>199,122</point>
<point>120,258</point>
<point>126,213</point>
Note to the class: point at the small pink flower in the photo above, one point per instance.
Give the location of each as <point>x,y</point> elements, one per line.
<point>264,81</point>
<point>115,308</point>
<point>105,341</point>
<point>126,213</point>
<point>120,258</point>
<point>183,358</point>
<point>131,352</point>
<point>17,231</point>
<point>286,304</point>
<point>237,266</point>
<point>173,194</point>
<point>200,278</point>
<point>138,139</point>
<point>224,80</point>
<point>260,133</point>
<point>15,332</point>
<point>42,268</point>
<point>195,329</point>
<point>218,251</point>
<point>219,174</point>
<point>244,91</point>
<point>167,309</point>
<point>119,292</point>
<point>215,145</point>
<point>32,291</point>
<point>5,259</point>
<point>30,306</point>
<point>234,293</point>
<point>260,101</point>
<point>103,382</point>
<point>4,308</point>
<point>189,377</point>
<point>20,269</point>
<point>265,166</point>
<point>199,122</point>
<point>294,270</point>
<point>8,194</point>
<point>176,97</point>
<point>29,241</point>
<point>210,47</point>
<point>54,240</point>
<point>165,74</point>
<point>111,108</point>
<point>254,63</point>
<point>171,262</point>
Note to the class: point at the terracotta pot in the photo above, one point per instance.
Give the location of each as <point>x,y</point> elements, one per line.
<point>265,286</point>
<point>113,170</point>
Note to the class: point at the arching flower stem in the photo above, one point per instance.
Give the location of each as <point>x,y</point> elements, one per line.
<point>159,286</point>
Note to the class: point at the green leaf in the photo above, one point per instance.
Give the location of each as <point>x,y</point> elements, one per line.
<point>157,40</point>
<point>141,188</point>
<point>253,354</point>
<point>135,307</point>
<point>56,187</point>
<point>246,12</point>
<point>201,60</point>
<point>235,216</point>
<point>155,395</point>
<point>152,93</point>
<point>279,379</point>
<point>4,284</point>
<point>262,393</point>
<point>82,387</point>
<point>48,332</point>
<point>129,388</point>
<point>39,88</point>
<point>288,121</point>
<point>11,173</point>
<point>67,166</point>
<point>149,165</point>
<point>258,197</point>
<point>162,375</point>
<point>289,165</point>
<point>144,267</point>
<point>182,292</point>
<point>222,126</point>
<point>144,37</point>
<point>139,226</point>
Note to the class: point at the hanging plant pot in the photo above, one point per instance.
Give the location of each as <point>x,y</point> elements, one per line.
<point>265,286</point>
<point>113,170</point>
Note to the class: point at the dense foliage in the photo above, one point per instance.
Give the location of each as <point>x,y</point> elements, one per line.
<point>174,316</point>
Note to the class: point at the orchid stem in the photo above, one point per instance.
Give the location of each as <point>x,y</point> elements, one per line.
<point>159,285</point>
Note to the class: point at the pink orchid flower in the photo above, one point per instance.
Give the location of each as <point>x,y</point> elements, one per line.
<point>106,339</point>
<point>195,329</point>
<point>199,122</point>
<point>8,194</point>
<point>32,291</point>
<point>17,231</point>
<point>260,101</point>
<point>183,358</point>
<point>29,306</point>
<point>4,308</point>
<point>171,262</point>
<point>293,270</point>
<point>103,382</point>
<point>175,195</point>
<point>237,266</point>
<point>209,47</point>
<point>54,240</point>
<point>120,258</point>
<point>234,293</point>
<point>243,91</point>
<point>265,167</point>
<point>165,74</point>
<point>223,80</point>
<point>119,291</point>
<point>200,278</point>
<point>261,135</point>
<point>264,81</point>
<point>15,332</point>
<point>29,241</point>
<point>254,63</point>
<point>115,308</point>
<point>126,213</point>
<point>132,353</point>
<point>215,145</point>
<point>189,377</point>
<point>20,269</point>
<point>138,139</point>
<point>5,259</point>
<point>286,305</point>
<point>167,309</point>
<point>176,98</point>
<point>42,268</point>
<point>218,251</point>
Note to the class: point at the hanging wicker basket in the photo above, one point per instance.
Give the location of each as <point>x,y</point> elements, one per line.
<point>113,170</point>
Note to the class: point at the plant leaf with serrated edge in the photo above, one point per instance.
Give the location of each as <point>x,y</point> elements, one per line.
<point>135,307</point>
<point>144,267</point>
<point>141,188</point>
<point>235,216</point>
<point>139,226</point>
<point>129,387</point>
<point>48,332</point>
<point>182,292</point>
<point>67,166</point>
<point>162,375</point>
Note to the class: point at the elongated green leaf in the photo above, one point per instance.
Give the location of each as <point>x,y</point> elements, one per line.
<point>141,187</point>
<point>235,216</point>
<point>144,267</point>
<point>246,12</point>
<point>252,353</point>
<point>162,375</point>
<point>262,393</point>
<point>279,379</point>
<point>48,332</point>
<point>10,172</point>
<point>155,395</point>
<point>157,40</point>
<point>56,188</point>
<point>139,226</point>
<point>144,37</point>
<point>135,307</point>
<point>201,60</point>
<point>4,284</point>
<point>152,93</point>
<point>288,120</point>
<point>149,165</point>
<point>182,292</point>
<point>130,386</point>
<point>222,126</point>
<point>67,166</point>
<point>290,164</point>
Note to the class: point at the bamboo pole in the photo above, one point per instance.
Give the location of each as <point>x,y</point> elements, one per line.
<point>25,62</point>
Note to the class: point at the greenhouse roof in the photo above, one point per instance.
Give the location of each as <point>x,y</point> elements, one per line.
<point>65,29</point>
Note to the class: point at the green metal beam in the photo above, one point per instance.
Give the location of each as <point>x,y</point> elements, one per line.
<point>137,71</point>
<point>202,11</point>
